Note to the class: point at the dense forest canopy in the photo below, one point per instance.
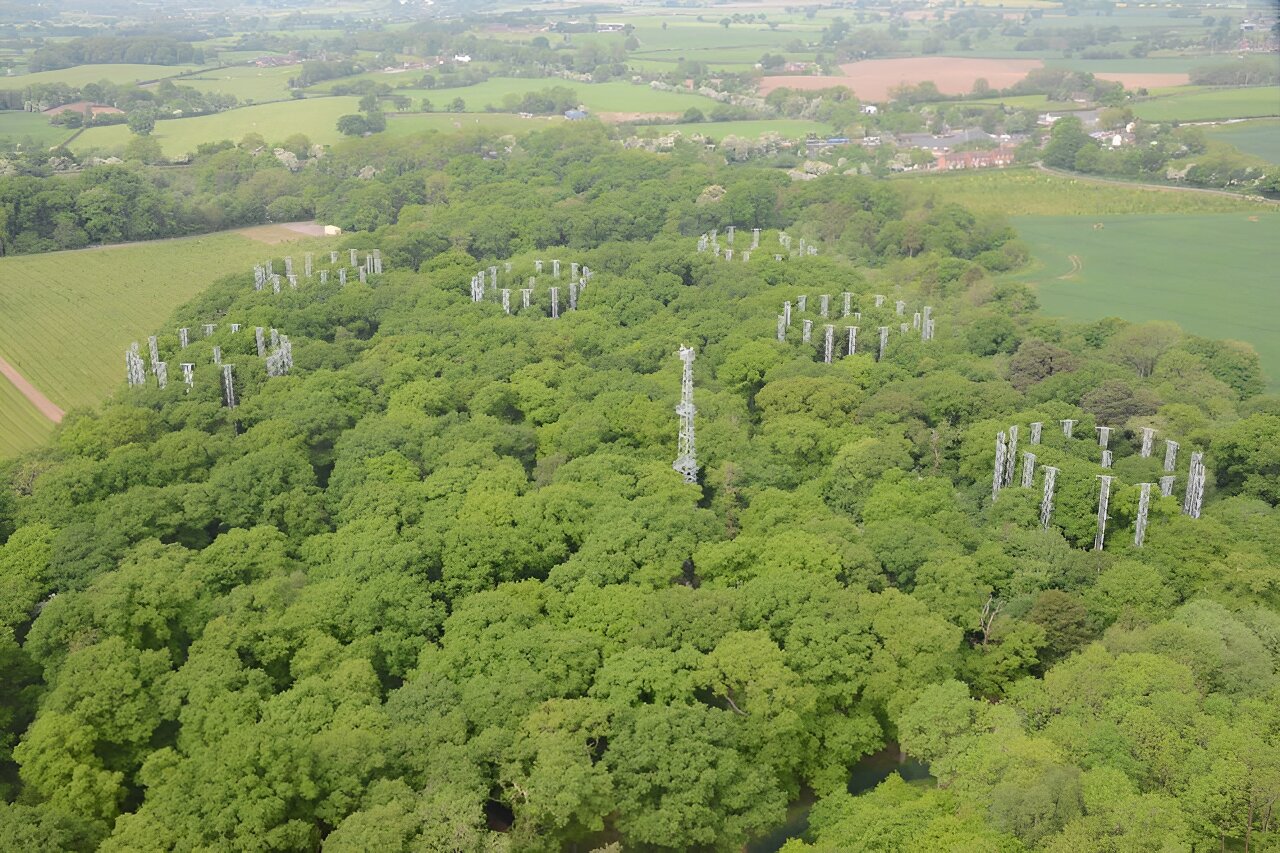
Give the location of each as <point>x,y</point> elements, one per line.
<point>439,588</point>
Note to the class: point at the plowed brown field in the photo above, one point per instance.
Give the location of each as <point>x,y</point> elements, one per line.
<point>872,79</point>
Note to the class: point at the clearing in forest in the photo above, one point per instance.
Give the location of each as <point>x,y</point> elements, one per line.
<point>1212,274</point>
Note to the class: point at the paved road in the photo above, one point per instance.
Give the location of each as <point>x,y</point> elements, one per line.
<point>40,401</point>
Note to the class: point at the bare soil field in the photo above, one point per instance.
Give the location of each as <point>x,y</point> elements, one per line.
<point>282,232</point>
<point>872,79</point>
<point>1139,80</point>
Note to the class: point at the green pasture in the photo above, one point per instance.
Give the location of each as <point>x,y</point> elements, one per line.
<point>1259,138</point>
<point>66,318</point>
<point>246,82</point>
<point>17,126</point>
<point>410,123</point>
<point>1030,192</point>
<point>1019,102</point>
<point>22,427</point>
<point>667,64</point>
<point>597,97</point>
<point>83,74</point>
<point>1252,102</point>
<point>718,130</point>
<point>315,117</point>
<point>1211,274</point>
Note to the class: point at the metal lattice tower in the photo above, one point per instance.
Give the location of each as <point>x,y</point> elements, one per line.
<point>1028,469</point>
<point>1144,506</point>
<point>1104,498</point>
<point>1046,502</point>
<point>686,452</point>
<point>1195,486</point>
<point>1148,442</point>
<point>997,475</point>
<point>1011,457</point>
<point>228,386</point>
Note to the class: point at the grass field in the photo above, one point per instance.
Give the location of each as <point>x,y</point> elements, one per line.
<point>1259,138</point>
<point>1030,192</point>
<point>21,426</point>
<point>82,74</point>
<point>597,97</point>
<point>403,125</point>
<point>17,126</point>
<point>718,130</point>
<point>1252,102</point>
<point>246,82</point>
<point>1211,274</point>
<point>67,317</point>
<point>1147,65</point>
<point>316,117</point>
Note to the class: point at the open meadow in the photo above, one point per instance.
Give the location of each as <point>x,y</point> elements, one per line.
<point>409,123</point>
<point>1212,274</point>
<point>80,75</point>
<point>315,117</point>
<point>246,82</point>
<point>1212,105</point>
<point>718,130</point>
<point>608,98</point>
<point>1259,138</point>
<point>22,427</point>
<point>16,126</point>
<point>1027,191</point>
<point>66,318</point>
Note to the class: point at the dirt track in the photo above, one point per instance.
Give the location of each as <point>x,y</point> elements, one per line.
<point>31,392</point>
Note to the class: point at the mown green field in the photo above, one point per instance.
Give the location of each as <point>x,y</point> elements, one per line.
<point>246,82</point>
<point>315,117</point>
<point>1259,138</point>
<point>82,74</point>
<point>1030,192</point>
<point>718,130</point>
<point>1256,101</point>
<point>67,317</point>
<point>21,426</point>
<point>1212,274</point>
<point>17,126</point>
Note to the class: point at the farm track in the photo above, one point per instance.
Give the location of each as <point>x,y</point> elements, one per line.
<point>1062,173</point>
<point>42,403</point>
<point>1076,266</point>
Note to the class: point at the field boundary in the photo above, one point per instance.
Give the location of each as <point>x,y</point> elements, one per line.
<point>42,403</point>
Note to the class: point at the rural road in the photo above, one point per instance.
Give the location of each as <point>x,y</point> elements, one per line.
<point>31,392</point>
<point>1164,188</point>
